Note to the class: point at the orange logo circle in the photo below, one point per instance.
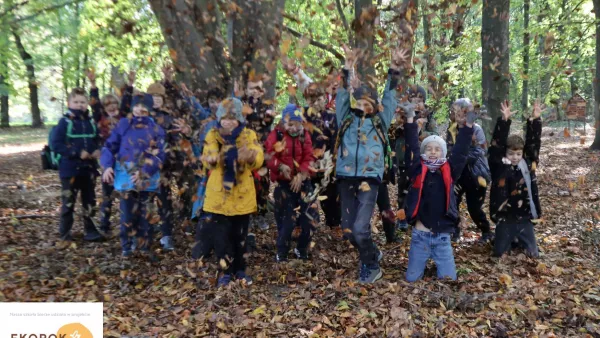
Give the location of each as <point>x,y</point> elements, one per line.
<point>74,330</point>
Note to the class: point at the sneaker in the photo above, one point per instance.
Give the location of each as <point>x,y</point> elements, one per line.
<point>379,256</point>
<point>241,275</point>
<point>224,280</point>
<point>93,236</point>
<point>369,274</point>
<point>167,243</point>
<point>127,253</point>
<point>402,225</point>
<point>301,254</point>
<point>250,242</point>
<point>486,237</point>
<point>188,230</point>
<point>281,258</point>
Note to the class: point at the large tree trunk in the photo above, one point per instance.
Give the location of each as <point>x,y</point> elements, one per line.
<point>525,93</point>
<point>495,57</point>
<point>256,29</point>
<point>429,53</point>
<point>544,82</point>
<point>192,30</point>
<point>365,18</point>
<point>36,116</point>
<point>596,144</point>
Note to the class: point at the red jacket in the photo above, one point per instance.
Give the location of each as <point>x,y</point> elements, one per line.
<point>284,149</point>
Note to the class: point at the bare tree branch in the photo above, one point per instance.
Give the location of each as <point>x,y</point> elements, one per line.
<point>317,44</point>
<point>344,21</point>
<point>44,10</point>
<point>12,8</point>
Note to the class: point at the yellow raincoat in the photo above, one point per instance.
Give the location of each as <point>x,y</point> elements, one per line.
<point>241,199</point>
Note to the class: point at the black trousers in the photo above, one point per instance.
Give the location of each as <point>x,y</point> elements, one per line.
<point>331,206</point>
<point>106,206</point>
<point>71,186</point>
<point>204,237</point>
<point>475,193</point>
<point>519,234</point>
<point>291,210</point>
<point>229,235</point>
<point>383,203</point>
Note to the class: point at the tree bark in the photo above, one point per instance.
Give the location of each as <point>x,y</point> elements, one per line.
<point>495,57</point>
<point>192,31</point>
<point>365,16</point>
<point>4,87</point>
<point>257,31</point>
<point>596,144</point>
<point>429,54</point>
<point>36,116</point>
<point>525,93</point>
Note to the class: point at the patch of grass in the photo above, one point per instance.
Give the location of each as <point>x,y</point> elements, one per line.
<point>23,135</point>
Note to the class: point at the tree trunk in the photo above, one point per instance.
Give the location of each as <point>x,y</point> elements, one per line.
<point>36,116</point>
<point>429,54</point>
<point>525,93</point>
<point>192,31</point>
<point>4,87</point>
<point>365,17</point>
<point>495,78</point>
<point>596,144</point>
<point>544,82</point>
<point>256,30</point>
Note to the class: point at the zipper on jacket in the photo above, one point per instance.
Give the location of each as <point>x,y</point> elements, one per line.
<point>293,155</point>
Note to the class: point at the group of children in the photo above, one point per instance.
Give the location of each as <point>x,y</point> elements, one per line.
<point>223,158</point>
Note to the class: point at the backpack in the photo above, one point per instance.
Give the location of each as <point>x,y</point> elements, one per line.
<point>51,159</point>
<point>382,133</point>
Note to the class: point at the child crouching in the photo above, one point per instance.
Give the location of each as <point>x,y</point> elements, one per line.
<point>514,200</point>
<point>290,147</point>
<point>431,201</point>
<point>131,158</point>
<point>231,152</point>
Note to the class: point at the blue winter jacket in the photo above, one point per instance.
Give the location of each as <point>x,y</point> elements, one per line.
<point>75,133</point>
<point>360,153</point>
<point>135,144</point>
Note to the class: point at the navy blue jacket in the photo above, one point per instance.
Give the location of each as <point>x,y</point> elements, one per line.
<point>69,142</point>
<point>432,186</point>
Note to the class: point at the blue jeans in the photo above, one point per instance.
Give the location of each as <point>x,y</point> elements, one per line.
<point>357,209</point>
<point>425,245</point>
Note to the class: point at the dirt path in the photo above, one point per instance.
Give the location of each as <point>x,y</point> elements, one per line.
<point>515,296</point>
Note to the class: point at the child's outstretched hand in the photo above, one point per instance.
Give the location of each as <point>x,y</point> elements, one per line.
<point>288,65</point>
<point>296,183</point>
<point>505,108</point>
<point>246,155</point>
<point>471,117</point>
<point>131,78</point>
<point>538,108</point>
<point>409,110</point>
<point>168,73</point>
<point>399,59</point>
<point>182,127</point>
<point>108,175</point>
<point>286,171</point>
<point>351,57</point>
<point>91,75</point>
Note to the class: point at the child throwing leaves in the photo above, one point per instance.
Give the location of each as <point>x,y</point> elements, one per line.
<point>291,153</point>
<point>75,139</point>
<point>431,201</point>
<point>514,201</point>
<point>131,161</point>
<point>360,150</point>
<point>231,152</point>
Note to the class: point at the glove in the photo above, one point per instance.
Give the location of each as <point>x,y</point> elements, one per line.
<point>409,109</point>
<point>471,117</point>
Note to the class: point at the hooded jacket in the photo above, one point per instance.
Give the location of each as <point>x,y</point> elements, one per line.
<point>296,153</point>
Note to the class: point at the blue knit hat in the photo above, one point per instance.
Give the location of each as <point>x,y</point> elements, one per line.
<point>145,99</point>
<point>231,106</point>
<point>366,93</point>
<point>291,113</point>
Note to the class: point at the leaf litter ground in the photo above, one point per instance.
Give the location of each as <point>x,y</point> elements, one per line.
<point>557,295</point>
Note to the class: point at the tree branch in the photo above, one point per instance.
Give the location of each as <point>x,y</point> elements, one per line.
<point>316,43</point>
<point>42,11</point>
<point>13,7</point>
<point>344,21</point>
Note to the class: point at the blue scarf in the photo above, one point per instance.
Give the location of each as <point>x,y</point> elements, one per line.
<point>231,155</point>
<point>432,165</point>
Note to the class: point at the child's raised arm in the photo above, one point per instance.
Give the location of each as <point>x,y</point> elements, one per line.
<point>460,151</point>
<point>533,137</point>
<point>399,59</point>
<point>128,94</point>
<point>342,99</point>
<point>497,150</point>
<point>412,154</point>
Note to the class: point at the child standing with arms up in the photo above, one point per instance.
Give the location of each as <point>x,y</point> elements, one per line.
<point>431,201</point>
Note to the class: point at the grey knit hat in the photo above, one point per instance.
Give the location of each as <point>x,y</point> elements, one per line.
<point>231,106</point>
<point>439,140</point>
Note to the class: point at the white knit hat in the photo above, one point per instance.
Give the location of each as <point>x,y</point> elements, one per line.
<point>439,140</point>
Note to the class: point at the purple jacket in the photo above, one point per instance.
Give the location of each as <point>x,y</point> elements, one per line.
<point>138,142</point>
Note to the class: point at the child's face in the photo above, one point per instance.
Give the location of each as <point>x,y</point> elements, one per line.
<point>433,151</point>
<point>416,99</point>
<point>213,104</point>
<point>460,115</point>
<point>229,123</point>
<point>112,108</point>
<point>514,156</point>
<point>139,110</point>
<point>157,101</point>
<point>255,89</point>
<point>78,102</point>
<point>365,106</point>
<point>318,103</point>
<point>293,127</point>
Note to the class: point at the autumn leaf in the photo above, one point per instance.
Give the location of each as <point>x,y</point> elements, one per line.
<point>482,181</point>
<point>279,146</point>
<point>364,187</point>
<point>505,279</point>
<point>173,54</point>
